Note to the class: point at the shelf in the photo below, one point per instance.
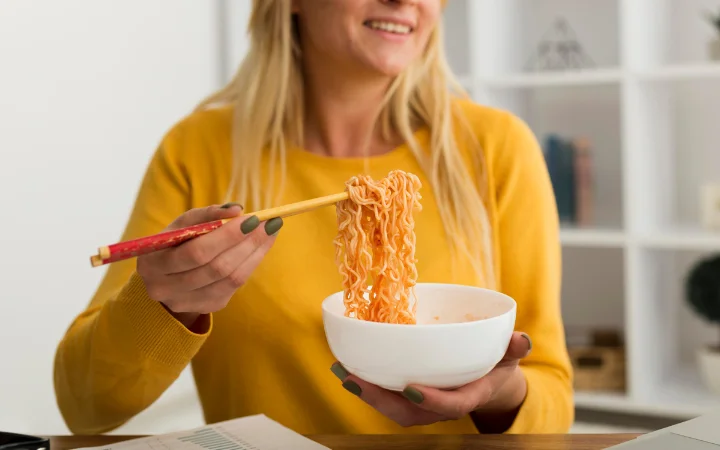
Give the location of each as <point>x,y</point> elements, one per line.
<point>587,77</point>
<point>676,401</point>
<point>686,238</point>
<point>682,396</point>
<point>610,401</point>
<point>593,77</point>
<point>679,72</point>
<point>591,237</point>
<point>647,105</point>
<point>671,32</point>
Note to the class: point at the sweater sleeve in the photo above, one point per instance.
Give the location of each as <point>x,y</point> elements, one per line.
<point>530,272</point>
<point>124,350</point>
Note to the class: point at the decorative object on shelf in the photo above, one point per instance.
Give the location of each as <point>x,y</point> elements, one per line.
<point>714,44</point>
<point>570,166</point>
<point>598,360</point>
<point>702,292</point>
<point>559,49</point>
<point>710,206</point>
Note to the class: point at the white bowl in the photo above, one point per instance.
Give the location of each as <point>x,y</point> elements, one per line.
<point>443,350</point>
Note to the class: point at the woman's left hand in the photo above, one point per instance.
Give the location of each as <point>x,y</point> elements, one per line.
<point>494,398</point>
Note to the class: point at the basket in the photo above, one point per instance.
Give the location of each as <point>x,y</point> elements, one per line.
<point>599,365</point>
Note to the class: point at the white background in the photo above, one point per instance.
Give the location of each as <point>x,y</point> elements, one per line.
<point>649,108</point>
<point>87,89</point>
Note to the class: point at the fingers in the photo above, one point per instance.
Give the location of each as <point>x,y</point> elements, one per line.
<point>386,402</point>
<point>253,260</point>
<point>519,347</point>
<point>226,287</point>
<point>204,249</point>
<point>166,261</point>
<point>226,263</point>
<point>455,403</point>
<point>206,214</point>
<point>390,404</point>
<point>422,405</point>
<point>217,282</point>
<point>459,402</point>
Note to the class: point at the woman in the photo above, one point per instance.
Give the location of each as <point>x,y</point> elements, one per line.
<point>330,89</point>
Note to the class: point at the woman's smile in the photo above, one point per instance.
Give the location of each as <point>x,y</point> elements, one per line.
<point>391,29</point>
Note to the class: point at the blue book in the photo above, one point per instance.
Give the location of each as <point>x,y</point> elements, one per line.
<point>560,159</point>
<point>567,182</point>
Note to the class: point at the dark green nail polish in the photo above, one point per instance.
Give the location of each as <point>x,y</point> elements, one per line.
<point>339,371</point>
<point>413,395</point>
<point>230,205</point>
<point>249,224</point>
<point>529,341</point>
<point>353,387</point>
<point>272,226</point>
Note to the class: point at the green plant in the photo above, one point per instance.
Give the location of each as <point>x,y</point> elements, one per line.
<point>714,19</point>
<point>702,290</point>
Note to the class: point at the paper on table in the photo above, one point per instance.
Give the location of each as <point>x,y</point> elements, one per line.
<point>696,434</point>
<point>665,441</point>
<point>256,432</point>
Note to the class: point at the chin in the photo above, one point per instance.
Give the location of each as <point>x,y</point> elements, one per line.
<point>391,67</point>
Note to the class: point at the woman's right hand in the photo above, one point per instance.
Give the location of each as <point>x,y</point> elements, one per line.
<point>199,276</point>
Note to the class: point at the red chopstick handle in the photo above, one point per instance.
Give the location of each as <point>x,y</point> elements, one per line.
<point>149,244</point>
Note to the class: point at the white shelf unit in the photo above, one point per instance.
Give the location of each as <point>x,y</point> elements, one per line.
<point>648,106</point>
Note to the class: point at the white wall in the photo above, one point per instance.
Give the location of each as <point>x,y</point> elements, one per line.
<point>87,89</point>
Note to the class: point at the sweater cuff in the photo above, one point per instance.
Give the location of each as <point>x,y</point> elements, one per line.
<point>158,335</point>
<point>548,405</point>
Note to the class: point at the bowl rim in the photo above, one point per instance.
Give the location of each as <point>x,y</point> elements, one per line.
<point>434,326</point>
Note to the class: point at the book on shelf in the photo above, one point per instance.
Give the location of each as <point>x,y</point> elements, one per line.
<point>570,165</point>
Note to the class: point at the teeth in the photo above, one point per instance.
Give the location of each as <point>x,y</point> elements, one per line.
<point>389,26</point>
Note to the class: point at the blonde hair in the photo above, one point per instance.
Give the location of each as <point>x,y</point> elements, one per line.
<point>267,98</point>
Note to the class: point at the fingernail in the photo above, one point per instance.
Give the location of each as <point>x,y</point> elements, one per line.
<point>353,387</point>
<point>249,224</point>
<point>230,205</point>
<point>272,226</point>
<point>339,371</point>
<point>529,341</point>
<point>413,395</point>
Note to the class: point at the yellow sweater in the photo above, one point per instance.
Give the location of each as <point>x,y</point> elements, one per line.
<point>266,351</point>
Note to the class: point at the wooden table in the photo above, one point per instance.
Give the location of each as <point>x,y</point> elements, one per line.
<point>415,442</point>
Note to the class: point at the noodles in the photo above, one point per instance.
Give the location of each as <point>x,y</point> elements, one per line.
<point>375,245</point>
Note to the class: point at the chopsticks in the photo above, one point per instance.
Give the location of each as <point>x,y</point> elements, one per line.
<point>148,244</point>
